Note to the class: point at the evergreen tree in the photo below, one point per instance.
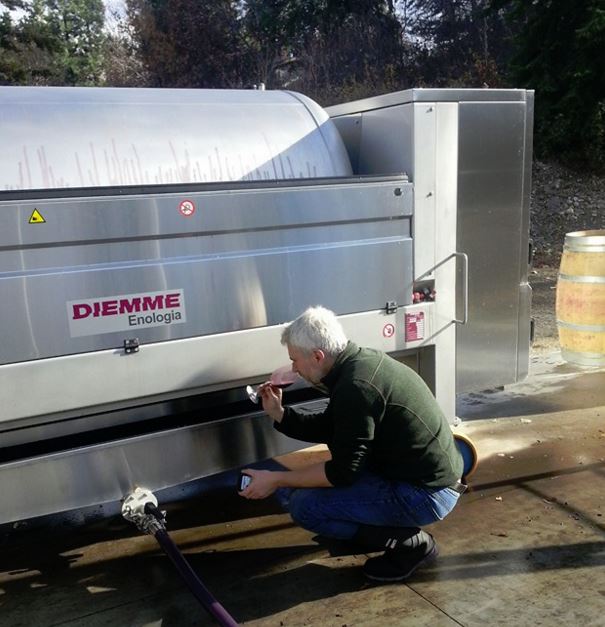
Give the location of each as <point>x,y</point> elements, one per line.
<point>329,49</point>
<point>560,54</point>
<point>55,42</point>
<point>187,43</point>
<point>463,43</point>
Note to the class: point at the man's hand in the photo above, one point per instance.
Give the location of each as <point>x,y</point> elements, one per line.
<point>263,484</point>
<point>271,397</point>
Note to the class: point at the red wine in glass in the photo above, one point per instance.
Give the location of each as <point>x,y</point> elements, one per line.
<point>281,378</point>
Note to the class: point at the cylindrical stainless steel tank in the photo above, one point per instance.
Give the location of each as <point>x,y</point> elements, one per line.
<point>58,137</point>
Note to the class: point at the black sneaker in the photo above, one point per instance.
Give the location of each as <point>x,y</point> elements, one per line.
<point>399,564</point>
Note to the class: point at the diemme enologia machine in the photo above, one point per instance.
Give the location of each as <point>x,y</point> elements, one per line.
<point>153,242</point>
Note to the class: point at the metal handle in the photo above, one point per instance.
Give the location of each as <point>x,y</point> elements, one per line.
<point>464,258</point>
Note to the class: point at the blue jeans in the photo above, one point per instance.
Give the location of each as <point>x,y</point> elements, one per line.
<point>371,500</point>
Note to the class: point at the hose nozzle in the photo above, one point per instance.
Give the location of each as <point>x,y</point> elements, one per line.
<point>141,508</point>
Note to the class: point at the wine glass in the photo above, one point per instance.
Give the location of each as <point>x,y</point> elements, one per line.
<point>282,378</point>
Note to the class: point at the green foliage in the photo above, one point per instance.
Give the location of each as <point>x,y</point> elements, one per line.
<point>56,42</point>
<point>560,53</point>
<point>187,43</point>
<point>461,43</point>
<point>327,48</point>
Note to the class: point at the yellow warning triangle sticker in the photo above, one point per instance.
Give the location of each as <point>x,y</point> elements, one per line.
<point>36,217</point>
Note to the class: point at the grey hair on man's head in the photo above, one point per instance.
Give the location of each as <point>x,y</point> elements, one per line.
<point>316,328</point>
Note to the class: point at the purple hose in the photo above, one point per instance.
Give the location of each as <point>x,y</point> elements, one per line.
<point>202,594</point>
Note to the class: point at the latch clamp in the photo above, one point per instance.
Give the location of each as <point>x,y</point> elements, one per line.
<point>131,345</point>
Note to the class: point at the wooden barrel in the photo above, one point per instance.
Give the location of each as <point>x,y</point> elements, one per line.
<point>581,298</point>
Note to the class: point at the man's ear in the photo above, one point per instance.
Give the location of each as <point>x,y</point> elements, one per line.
<point>319,355</point>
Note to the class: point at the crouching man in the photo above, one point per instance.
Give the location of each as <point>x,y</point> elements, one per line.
<point>394,466</point>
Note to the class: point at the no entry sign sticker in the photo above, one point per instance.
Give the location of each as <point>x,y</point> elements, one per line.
<point>388,330</point>
<point>187,208</point>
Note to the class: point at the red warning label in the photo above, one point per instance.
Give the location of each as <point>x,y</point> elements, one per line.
<point>187,208</point>
<point>388,330</point>
<point>414,326</point>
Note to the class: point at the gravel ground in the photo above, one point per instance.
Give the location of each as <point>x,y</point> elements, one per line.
<point>562,201</point>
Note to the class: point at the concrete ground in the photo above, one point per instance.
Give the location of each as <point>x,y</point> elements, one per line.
<point>526,545</point>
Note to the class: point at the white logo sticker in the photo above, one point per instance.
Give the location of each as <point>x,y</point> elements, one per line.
<point>126,312</point>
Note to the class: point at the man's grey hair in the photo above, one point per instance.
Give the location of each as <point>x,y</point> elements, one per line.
<point>316,328</point>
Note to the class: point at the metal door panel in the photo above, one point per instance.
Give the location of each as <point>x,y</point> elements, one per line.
<point>492,219</point>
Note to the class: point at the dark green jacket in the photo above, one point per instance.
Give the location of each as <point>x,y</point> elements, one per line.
<point>381,417</point>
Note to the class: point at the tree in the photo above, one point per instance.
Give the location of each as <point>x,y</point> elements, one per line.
<point>56,42</point>
<point>78,24</point>
<point>325,48</point>
<point>560,55</point>
<point>462,43</point>
<point>187,43</point>
<point>122,64</point>
<point>328,49</point>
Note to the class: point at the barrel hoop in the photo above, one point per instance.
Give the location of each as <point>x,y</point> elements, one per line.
<point>582,279</point>
<point>584,359</point>
<point>586,248</point>
<point>588,328</point>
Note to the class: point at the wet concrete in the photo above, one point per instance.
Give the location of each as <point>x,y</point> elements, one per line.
<point>525,546</point>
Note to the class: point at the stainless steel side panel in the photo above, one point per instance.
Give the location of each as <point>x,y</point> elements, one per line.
<point>243,259</point>
<point>493,229</point>
<point>246,261</point>
<point>107,472</point>
<point>494,153</point>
